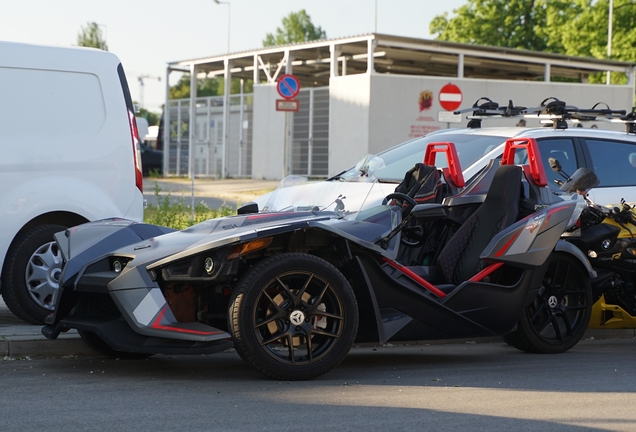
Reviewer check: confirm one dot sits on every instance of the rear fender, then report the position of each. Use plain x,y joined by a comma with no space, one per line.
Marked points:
569,248
529,242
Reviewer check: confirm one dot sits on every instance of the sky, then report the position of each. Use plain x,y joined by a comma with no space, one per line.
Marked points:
147,34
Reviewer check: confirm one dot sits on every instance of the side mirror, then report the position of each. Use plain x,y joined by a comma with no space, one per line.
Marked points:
554,164
250,207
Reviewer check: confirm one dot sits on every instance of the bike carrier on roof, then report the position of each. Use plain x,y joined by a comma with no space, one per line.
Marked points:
552,109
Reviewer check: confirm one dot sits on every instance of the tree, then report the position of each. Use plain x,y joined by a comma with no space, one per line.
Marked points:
296,27
508,23
152,117
91,36
572,27
208,87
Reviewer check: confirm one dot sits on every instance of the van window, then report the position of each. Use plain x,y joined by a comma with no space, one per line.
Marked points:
51,104
611,162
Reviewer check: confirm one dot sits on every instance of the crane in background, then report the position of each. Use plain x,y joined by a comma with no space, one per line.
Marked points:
141,79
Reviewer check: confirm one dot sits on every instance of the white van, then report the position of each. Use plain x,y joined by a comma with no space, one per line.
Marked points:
69,154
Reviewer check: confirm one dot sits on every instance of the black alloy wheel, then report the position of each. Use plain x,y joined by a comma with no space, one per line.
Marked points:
293,316
558,317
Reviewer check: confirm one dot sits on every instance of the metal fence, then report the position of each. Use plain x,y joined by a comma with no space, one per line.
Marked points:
208,143
310,146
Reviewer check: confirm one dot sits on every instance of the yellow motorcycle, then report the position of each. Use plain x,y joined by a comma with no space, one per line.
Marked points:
606,235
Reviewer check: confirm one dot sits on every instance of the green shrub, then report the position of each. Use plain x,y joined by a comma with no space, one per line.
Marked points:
178,214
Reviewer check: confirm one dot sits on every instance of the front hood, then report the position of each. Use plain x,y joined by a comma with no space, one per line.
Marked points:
216,233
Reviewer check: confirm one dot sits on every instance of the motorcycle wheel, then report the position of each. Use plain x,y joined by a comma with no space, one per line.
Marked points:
293,316
98,344
557,318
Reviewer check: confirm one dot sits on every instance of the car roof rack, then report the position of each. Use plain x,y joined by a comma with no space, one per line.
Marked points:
551,110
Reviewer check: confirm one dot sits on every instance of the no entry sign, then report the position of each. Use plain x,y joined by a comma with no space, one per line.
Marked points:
288,86
450,97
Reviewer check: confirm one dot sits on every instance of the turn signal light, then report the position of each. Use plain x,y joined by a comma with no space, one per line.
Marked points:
251,246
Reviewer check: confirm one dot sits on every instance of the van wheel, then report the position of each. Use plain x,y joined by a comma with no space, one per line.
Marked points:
31,276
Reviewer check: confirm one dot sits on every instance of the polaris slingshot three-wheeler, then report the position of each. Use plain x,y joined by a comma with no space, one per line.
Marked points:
292,290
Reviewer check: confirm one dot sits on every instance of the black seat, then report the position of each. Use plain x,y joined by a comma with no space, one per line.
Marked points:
422,183
459,259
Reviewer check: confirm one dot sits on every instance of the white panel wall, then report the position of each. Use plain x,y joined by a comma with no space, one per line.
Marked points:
268,134
349,98
371,113
395,114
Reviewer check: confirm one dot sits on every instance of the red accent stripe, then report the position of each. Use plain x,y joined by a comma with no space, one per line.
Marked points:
155,325
426,284
509,243
555,210
485,272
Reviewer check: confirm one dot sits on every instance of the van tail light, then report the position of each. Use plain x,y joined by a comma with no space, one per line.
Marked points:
134,132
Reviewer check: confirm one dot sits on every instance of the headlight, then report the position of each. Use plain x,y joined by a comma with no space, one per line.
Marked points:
208,265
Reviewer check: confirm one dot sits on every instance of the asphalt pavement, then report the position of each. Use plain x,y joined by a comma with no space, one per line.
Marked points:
19,339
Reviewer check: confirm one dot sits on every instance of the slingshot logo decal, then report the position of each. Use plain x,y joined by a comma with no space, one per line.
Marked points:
535,222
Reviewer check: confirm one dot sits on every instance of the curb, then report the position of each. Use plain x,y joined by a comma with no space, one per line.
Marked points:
23,347
71,345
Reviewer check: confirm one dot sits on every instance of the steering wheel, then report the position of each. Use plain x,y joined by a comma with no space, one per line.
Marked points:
406,209
412,236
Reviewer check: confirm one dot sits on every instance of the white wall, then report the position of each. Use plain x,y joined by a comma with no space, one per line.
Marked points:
371,113
268,134
395,114
349,99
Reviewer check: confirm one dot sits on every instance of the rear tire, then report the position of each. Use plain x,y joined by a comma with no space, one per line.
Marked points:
558,317
30,280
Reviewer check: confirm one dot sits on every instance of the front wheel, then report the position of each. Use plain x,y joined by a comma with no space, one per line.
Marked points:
293,316
557,318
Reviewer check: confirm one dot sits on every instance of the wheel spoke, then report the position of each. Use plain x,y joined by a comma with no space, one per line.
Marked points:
273,318
544,325
310,354
274,338
279,310
557,329
290,344
320,296
304,288
562,313
286,288
538,312
40,273
329,315
324,333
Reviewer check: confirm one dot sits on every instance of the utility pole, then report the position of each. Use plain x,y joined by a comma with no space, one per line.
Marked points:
141,79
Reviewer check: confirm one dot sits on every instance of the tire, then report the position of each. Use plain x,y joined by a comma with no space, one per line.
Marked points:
30,280
98,344
293,316
557,319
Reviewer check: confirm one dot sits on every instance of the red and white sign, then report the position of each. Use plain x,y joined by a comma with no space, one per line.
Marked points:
450,97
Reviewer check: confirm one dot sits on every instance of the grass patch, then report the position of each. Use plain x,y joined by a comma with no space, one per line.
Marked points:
178,214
